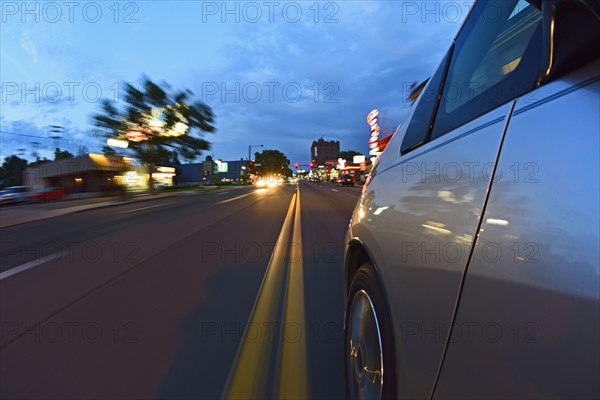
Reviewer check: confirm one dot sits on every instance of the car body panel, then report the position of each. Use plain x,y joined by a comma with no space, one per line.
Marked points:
453,247
426,207
531,293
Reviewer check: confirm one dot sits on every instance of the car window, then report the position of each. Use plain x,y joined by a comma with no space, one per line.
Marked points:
497,58
419,127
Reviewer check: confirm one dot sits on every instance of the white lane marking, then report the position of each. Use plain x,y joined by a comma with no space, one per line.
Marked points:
222,193
234,198
31,264
144,208
335,190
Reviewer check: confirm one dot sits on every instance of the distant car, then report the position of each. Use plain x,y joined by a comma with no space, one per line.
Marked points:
48,194
267,182
472,256
345,180
15,194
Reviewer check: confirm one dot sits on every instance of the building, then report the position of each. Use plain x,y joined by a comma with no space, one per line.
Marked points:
231,170
209,171
189,174
89,173
94,173
322,151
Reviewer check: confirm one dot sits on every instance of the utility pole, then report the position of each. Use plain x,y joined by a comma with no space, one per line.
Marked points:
34,150
56,134
250,149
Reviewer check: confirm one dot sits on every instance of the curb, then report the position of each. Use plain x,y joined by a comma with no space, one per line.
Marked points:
83,208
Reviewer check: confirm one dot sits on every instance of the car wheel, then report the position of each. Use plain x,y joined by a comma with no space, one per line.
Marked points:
370,356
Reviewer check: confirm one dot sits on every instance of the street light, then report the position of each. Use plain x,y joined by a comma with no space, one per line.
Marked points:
250,149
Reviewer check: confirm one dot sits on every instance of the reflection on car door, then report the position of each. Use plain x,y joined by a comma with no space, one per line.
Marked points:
440,181
535,267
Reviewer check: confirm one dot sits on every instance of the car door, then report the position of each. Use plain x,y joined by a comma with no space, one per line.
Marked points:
420,212
528,320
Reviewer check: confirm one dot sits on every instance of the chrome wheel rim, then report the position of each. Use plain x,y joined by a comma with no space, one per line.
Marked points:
363,349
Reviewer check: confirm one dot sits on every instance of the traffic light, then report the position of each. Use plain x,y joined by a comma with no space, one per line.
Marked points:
296,165
250,166
312,164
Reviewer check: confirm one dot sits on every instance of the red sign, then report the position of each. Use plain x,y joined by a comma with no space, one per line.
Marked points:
374,124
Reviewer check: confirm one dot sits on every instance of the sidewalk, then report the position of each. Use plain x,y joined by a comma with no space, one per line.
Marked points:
34,212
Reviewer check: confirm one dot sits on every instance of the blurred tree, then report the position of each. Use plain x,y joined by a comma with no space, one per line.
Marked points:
62,154
155,119
167,158
271,162
11,171
106,149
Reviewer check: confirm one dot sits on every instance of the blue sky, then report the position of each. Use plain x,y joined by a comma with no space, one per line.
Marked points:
277,73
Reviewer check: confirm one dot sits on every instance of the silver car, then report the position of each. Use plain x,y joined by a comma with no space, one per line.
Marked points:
472,258
15,194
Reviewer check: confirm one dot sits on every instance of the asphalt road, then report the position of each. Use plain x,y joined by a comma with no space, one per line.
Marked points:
234,293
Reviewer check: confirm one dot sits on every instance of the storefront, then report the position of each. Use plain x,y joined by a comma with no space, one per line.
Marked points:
96,173
84,174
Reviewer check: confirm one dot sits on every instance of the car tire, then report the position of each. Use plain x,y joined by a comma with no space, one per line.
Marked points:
370,361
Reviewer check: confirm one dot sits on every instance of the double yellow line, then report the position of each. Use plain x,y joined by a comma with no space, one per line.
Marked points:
271,361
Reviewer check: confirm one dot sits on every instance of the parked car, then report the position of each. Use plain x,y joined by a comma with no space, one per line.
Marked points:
345,180
472,257
48,194
15,194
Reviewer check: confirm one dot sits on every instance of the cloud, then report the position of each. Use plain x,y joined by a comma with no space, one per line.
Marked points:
30,48
273,82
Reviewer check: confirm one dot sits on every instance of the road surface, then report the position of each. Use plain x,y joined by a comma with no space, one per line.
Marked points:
234,293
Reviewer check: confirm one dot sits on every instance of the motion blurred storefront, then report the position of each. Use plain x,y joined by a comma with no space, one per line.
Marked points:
88,173
137,177
94,173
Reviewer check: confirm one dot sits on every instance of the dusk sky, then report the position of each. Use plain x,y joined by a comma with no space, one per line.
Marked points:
275,73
